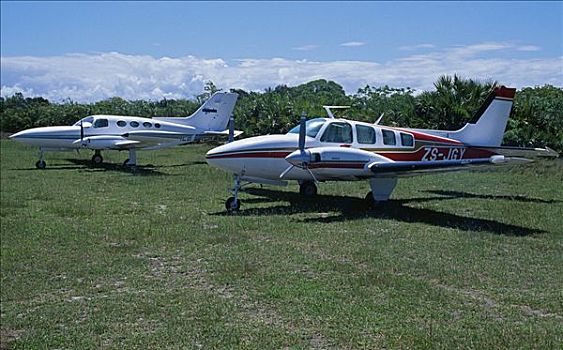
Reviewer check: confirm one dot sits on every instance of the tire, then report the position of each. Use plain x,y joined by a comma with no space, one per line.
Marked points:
41,164
125,165
232,205
97,159
308,189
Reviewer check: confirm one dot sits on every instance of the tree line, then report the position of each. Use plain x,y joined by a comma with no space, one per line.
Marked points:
536,118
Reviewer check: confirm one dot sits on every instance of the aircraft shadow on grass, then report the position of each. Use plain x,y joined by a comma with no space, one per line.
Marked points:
351,208
147,170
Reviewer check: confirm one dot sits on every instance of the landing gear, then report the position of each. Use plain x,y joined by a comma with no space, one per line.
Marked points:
132,160
41,164
381,189
372,203
233,203
97,158
308,189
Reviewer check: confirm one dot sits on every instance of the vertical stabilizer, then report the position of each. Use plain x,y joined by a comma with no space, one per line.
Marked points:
489,123
213,115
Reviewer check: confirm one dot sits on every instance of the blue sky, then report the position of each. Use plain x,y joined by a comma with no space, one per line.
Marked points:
268,43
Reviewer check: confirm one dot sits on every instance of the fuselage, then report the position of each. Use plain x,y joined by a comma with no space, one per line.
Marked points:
65,137
265,156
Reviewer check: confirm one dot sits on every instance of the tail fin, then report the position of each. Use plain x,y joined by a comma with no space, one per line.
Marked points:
213,115
489,123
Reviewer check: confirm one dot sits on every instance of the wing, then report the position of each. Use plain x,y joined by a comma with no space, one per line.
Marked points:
410,168
151,139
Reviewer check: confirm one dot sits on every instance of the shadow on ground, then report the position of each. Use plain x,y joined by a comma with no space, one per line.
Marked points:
85,164
352,208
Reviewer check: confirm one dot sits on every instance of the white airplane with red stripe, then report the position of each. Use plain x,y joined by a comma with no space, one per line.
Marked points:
331,149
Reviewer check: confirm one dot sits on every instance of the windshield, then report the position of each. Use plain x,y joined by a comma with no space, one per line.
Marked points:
84,120
312,126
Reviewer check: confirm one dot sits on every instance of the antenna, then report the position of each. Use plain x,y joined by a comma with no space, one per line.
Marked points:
329,112
379,119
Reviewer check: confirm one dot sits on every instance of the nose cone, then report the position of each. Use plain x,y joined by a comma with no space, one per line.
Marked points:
18,135
299,157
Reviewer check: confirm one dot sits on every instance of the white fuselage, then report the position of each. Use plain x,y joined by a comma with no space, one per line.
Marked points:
109,126
264,157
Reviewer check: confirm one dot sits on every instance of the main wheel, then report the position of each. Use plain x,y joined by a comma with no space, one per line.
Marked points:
232,204
308,189
41,164
368,199
126,163
97,159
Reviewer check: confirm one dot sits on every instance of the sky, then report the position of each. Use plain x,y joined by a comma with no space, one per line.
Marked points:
88,51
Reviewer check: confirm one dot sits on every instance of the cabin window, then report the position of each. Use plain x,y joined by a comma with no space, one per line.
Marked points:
389,137
365,134
101,123
338,133
157,125
147,125
121,123
134,124
407,140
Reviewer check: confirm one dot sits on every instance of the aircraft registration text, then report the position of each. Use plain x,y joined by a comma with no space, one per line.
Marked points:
436,153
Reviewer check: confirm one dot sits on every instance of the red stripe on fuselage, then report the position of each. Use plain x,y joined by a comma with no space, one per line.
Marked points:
442,153
272,154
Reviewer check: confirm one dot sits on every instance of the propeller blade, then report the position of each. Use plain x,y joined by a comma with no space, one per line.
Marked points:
81,131
231,129
311,173
286,171
302,130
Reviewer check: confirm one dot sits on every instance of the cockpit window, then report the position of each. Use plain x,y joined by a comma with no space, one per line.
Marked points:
101,123
84,120
338,132
312,127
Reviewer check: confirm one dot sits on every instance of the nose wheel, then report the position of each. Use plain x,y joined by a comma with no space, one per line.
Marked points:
233,203
308,189
41,164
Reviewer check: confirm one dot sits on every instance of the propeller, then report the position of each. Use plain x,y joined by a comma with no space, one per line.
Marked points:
231,129
300,158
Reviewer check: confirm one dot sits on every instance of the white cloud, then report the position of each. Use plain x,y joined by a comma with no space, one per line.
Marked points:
92,77
353,44
531,48
418,46
305,47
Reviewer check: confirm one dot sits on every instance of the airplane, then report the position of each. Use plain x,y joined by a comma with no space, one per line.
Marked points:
114,132
332,149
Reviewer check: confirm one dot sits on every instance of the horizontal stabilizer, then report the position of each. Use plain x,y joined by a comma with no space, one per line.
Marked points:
223,133
524,152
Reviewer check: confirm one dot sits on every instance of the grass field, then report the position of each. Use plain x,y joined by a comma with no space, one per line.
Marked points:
107,258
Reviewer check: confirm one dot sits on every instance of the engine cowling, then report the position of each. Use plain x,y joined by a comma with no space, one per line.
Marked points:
100,142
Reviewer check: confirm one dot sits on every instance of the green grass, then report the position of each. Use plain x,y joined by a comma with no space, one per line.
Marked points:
106,258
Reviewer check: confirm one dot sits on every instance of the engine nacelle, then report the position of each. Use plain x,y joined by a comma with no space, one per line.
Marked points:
100,142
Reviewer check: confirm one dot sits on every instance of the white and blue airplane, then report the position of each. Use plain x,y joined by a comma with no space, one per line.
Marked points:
114,132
